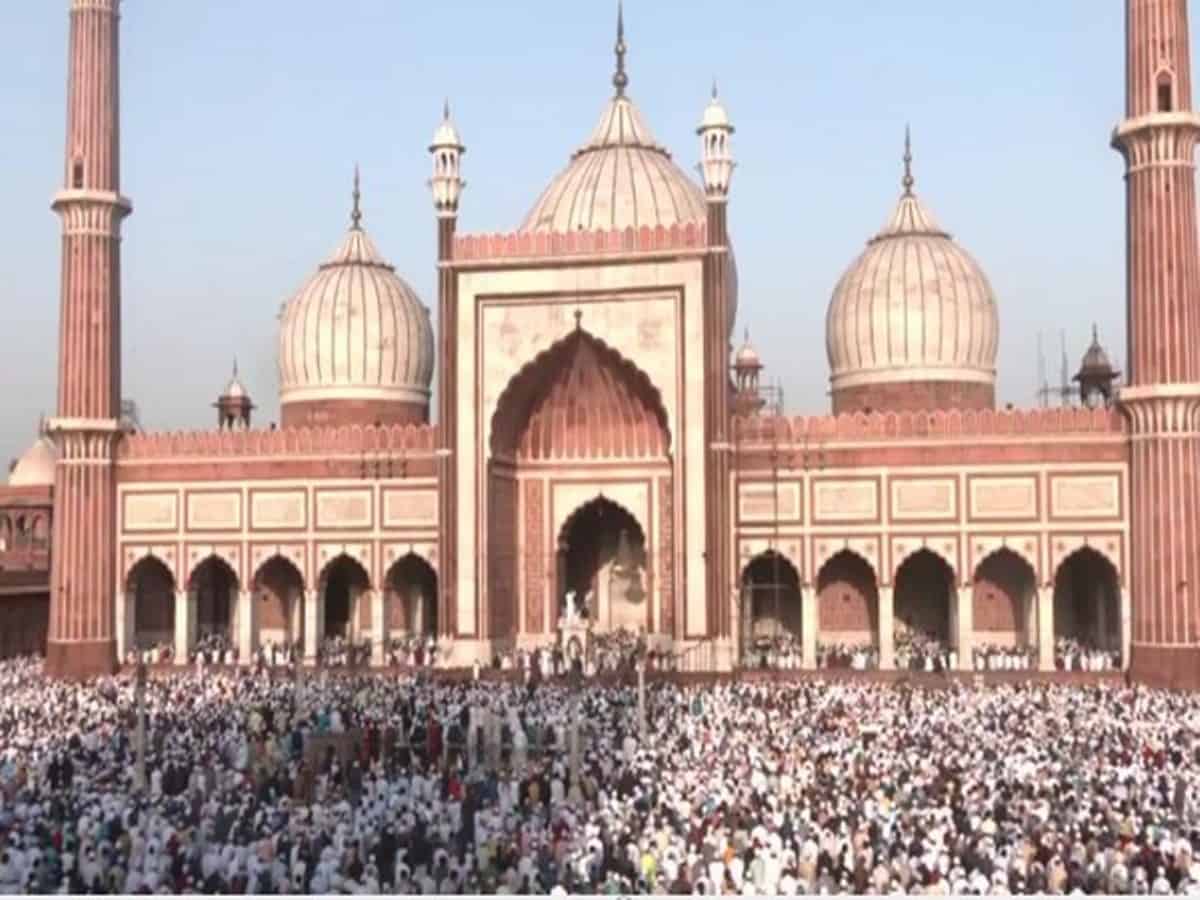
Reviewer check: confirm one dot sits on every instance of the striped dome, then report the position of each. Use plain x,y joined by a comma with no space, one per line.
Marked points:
620,178
356,332
914,307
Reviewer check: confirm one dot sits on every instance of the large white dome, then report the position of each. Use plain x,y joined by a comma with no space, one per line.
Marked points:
620,178
913,309
36,466
355,344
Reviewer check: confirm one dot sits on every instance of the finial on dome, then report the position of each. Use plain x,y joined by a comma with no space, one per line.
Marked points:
908,175
714,96
1095,334
235,374
446,110
620,79
356,214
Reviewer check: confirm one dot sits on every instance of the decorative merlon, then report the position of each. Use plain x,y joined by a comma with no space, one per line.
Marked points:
345,440
532,245
948,425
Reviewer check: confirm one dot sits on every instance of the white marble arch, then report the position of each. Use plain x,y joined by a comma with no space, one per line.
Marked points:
984,548
944,548
221,554
749,549
866,549
1063,547
135,556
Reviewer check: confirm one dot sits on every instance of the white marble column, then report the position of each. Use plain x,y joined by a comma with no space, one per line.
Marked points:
966,627
1126,626
887,628
810,624
314,603
183,636
124,623
1045,624
247,627
378,601
295,607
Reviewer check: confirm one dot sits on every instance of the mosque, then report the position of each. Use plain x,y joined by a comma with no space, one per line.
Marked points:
598,436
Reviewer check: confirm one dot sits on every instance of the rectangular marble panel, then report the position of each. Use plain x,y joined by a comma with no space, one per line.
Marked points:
410,509
344,508
1085,496
766,502
850,500
278,509
150,512
211,511
924,499
1010,499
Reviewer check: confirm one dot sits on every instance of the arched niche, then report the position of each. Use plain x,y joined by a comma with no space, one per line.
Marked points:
771,600
278,587
213,587
151,587
847,601
924,598
1087,601
343,582
412,588
1004,601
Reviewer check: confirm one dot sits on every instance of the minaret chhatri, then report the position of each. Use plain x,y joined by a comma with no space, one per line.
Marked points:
86,429
1162,400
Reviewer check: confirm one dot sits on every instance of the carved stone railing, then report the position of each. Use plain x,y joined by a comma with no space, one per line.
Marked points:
949,425
284,442
525,245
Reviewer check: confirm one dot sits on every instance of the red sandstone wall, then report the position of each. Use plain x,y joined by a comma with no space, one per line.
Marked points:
24,621
847,598
996,610
914,396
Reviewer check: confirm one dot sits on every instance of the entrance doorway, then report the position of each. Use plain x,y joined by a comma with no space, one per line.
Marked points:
602,560
345,582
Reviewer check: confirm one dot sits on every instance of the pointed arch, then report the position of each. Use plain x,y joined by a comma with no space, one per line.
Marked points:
1087,600
579,399
925,596
771,600
151,587
213,587
603,558
847,600
278,586
147,558
1004,602
343,582
412,587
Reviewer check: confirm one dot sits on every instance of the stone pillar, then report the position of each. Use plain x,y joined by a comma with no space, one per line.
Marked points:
295,606
314,607
1125,606
965,627
1045,626
810,625
183,635
379,618
124,622
247,627
887,628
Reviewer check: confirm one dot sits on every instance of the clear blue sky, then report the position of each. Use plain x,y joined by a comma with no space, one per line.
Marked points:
242,122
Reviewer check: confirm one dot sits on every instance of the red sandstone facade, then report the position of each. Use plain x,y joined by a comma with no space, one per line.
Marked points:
585,441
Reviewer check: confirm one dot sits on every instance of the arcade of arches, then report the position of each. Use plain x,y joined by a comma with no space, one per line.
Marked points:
278,609
1002,607
567,417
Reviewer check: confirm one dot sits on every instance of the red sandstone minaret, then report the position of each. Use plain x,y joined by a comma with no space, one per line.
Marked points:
83,577
1162,399
716,169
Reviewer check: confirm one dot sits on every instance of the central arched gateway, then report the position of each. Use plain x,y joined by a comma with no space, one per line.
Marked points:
601,561
579,489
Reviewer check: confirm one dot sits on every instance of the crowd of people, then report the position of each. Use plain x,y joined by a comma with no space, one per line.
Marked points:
338,651
564,786
213,649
